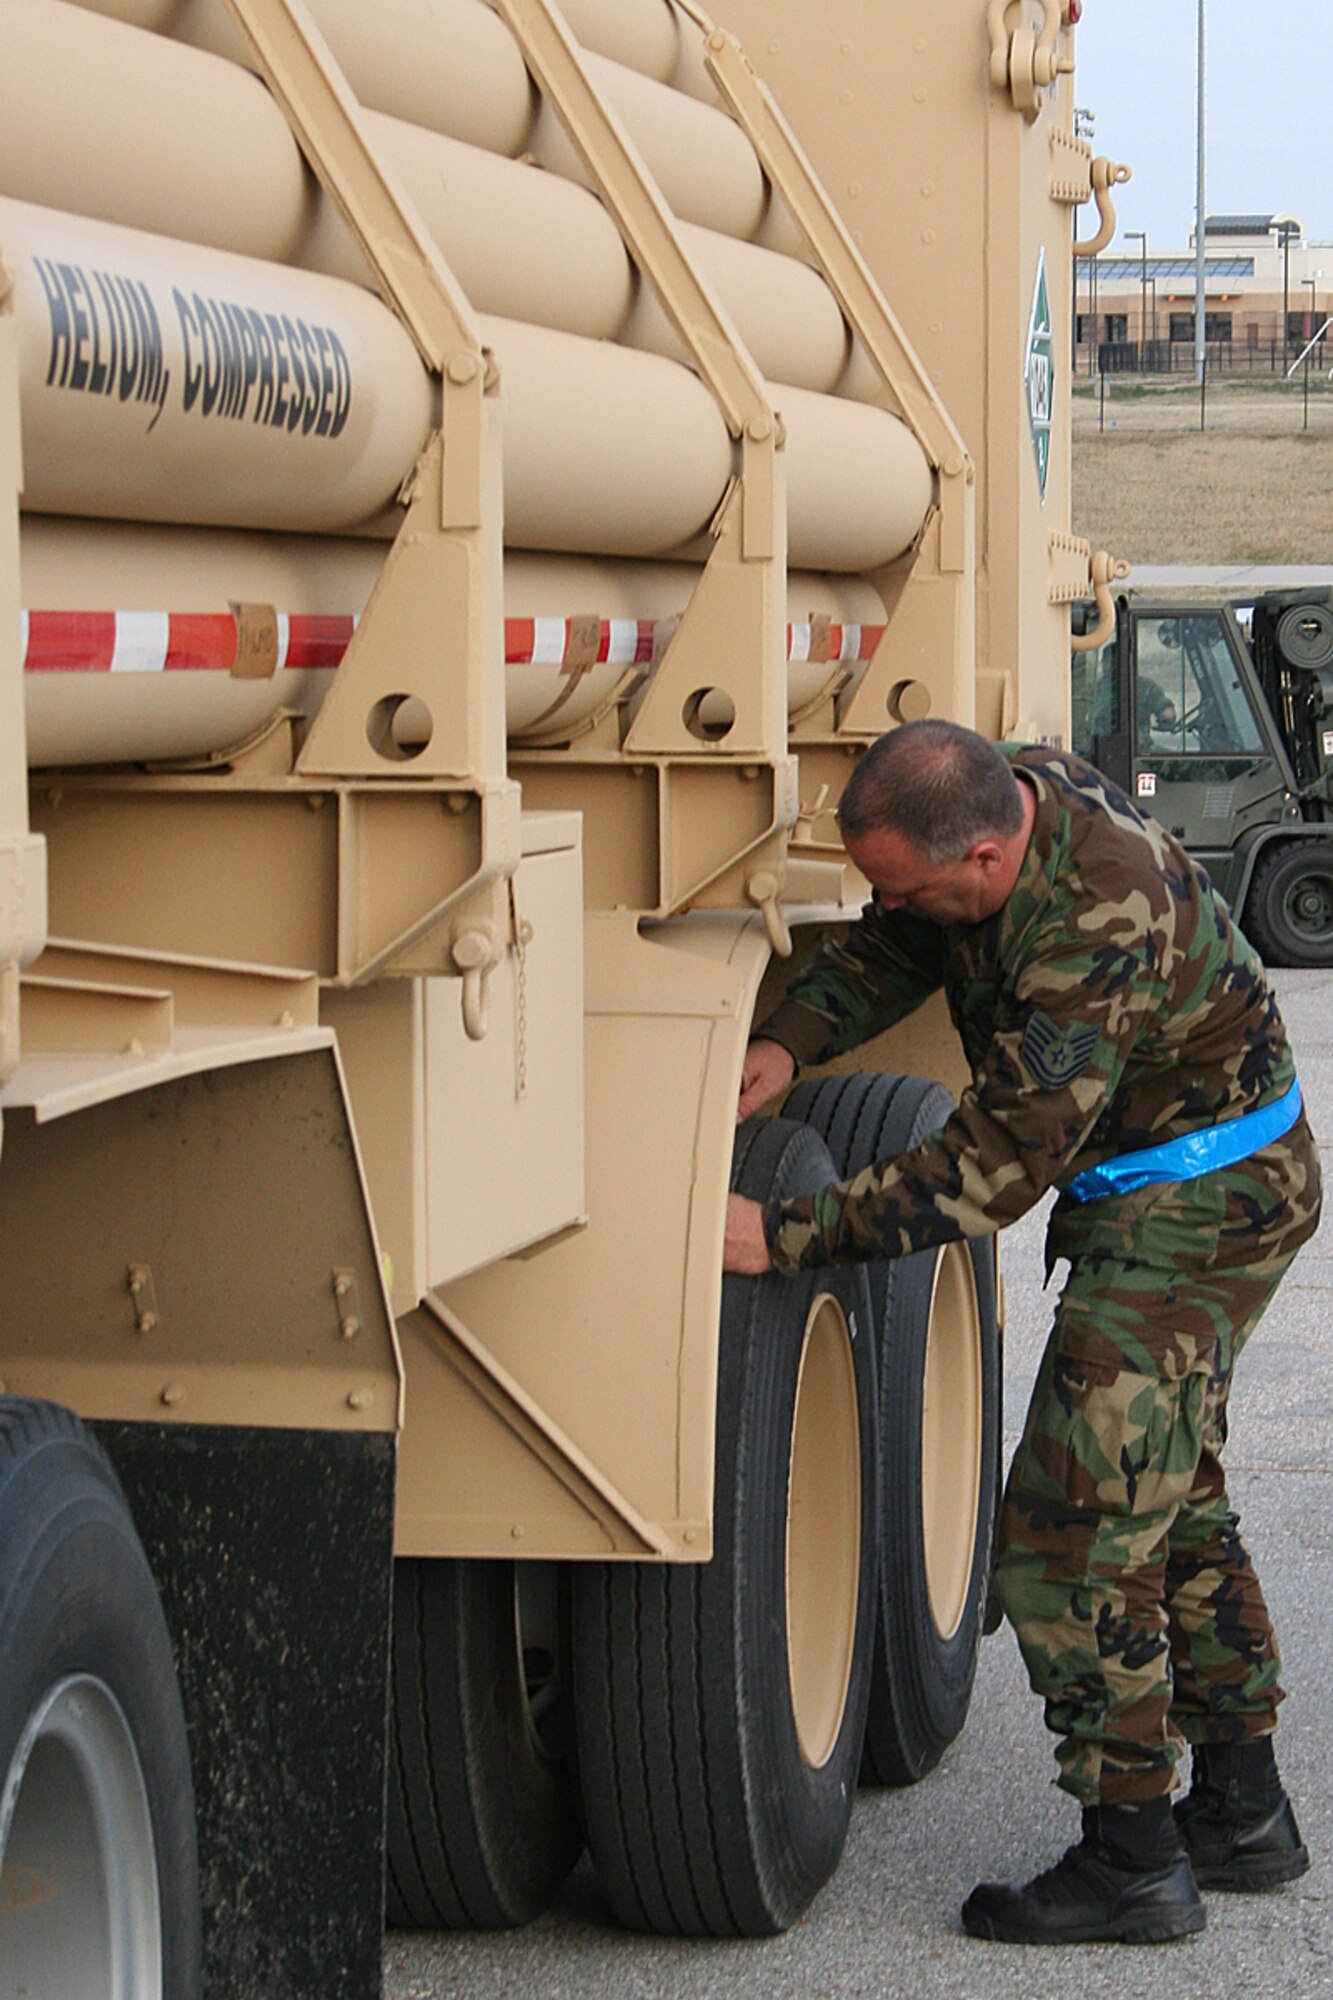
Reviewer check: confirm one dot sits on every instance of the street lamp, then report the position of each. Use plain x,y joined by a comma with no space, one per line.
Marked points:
1140,236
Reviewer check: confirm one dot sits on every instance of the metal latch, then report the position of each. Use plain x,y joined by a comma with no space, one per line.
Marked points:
1105,174
1106,570
1026,62
762,889
475,956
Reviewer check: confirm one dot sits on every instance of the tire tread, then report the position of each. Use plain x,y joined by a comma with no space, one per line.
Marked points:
673,1822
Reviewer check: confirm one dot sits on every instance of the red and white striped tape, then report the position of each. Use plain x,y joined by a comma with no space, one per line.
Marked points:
547,642
154,642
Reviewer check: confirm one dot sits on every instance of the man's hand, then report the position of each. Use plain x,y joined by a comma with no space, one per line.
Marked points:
745,1249
768,1069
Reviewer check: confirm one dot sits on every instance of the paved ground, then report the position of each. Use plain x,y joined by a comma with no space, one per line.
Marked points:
887,1924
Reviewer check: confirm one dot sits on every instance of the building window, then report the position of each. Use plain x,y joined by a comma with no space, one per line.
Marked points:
1085,328
1117,326
1217,325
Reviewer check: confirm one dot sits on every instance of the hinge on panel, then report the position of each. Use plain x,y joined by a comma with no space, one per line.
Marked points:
143,1294
1071,167
348,1302
1069,572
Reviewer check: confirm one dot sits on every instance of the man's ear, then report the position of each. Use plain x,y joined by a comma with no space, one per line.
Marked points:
988,854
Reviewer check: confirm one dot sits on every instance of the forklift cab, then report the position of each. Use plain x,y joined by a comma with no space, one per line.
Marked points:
1169,708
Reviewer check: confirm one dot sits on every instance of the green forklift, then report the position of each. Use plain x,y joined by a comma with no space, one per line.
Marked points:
1217,718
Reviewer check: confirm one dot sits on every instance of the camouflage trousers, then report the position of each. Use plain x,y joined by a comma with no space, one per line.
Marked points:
1120,1565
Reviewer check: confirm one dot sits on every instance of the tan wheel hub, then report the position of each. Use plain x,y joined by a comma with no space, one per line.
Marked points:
823,1531
951,1437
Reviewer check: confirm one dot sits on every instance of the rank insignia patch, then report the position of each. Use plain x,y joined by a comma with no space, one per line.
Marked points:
1054,1056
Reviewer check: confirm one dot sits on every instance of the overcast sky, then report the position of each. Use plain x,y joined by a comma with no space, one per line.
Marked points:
1269,102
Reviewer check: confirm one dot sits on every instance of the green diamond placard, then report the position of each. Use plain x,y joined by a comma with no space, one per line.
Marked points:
1039,374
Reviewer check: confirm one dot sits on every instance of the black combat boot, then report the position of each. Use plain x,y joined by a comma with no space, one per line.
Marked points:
1237,1823
1127,1882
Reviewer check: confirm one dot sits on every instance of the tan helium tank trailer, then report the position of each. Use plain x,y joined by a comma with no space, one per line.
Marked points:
476,475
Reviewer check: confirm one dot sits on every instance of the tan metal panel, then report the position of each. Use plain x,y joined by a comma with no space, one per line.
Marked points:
379,1030
206,993
146,875
22,858
937,174
212,1197
505,1485
504,1115
612,1332
63,1017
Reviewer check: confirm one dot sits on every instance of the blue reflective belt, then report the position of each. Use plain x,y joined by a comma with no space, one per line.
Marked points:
1197,1153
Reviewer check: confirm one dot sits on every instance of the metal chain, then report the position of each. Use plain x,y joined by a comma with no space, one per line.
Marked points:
522,936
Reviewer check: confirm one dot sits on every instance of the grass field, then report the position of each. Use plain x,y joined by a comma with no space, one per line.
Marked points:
1253,487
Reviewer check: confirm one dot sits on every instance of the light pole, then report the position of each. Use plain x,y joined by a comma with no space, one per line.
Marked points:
1311,281
1084,124
1140,236
1200,213
1286,227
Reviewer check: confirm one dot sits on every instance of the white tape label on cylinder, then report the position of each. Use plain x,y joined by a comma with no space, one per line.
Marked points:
141,642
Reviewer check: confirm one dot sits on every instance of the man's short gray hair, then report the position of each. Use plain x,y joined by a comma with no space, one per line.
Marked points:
940,787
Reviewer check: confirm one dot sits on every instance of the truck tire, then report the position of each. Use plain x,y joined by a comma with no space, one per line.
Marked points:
939,1383
720,1707
99,1880
482,1825
1289,910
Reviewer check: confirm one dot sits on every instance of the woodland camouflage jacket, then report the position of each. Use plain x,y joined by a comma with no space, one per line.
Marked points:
1110,1005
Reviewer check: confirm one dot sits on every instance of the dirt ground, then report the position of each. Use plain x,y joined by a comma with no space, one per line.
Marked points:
1254,486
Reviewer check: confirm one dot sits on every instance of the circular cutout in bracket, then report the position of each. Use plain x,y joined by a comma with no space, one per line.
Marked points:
399,727
909,701
709,714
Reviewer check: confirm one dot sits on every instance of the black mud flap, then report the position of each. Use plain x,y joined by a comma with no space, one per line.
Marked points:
272,1550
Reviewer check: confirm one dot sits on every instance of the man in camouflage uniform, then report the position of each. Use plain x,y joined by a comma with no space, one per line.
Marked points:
1107,1007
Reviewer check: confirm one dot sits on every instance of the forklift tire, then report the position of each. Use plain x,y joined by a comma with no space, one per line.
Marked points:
1305,636
482,1826
938,1348
1289,910
99,1879
720,1707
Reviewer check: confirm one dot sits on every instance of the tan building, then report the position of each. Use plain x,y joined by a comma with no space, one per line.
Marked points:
1137,311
